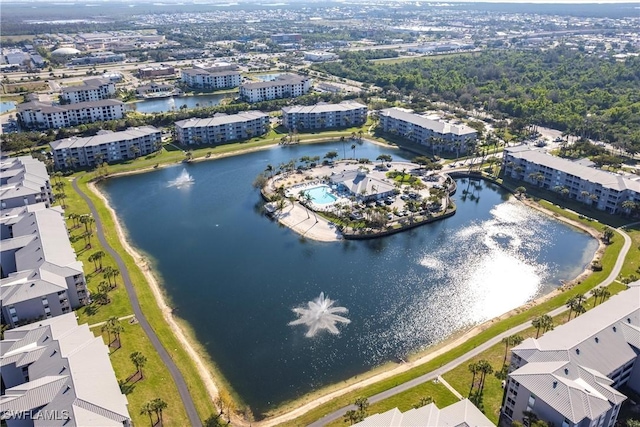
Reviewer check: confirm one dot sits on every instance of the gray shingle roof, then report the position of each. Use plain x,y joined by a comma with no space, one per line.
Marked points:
597,176
104,138
323,108
221,119
441,127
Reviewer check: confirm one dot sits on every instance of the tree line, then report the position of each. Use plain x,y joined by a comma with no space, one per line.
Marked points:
586,95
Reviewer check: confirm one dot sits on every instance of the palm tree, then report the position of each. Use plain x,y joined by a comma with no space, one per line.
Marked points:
576,304
607,235
537,323
87,220
605,294
139,360
158,405
424,401
544,322
115,275
353,147
628,206
116,330
61,197
108,327
474,368
597,292
485,369
147,409
510,341
98,257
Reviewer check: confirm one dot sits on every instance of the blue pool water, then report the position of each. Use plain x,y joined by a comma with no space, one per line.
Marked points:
321,195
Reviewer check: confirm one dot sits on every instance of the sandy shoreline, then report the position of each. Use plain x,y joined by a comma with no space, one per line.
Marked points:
297,218
141,262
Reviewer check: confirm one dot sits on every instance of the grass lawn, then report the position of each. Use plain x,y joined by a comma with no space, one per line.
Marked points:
158,382
404,401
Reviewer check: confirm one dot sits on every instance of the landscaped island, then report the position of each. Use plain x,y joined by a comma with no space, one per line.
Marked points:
356,199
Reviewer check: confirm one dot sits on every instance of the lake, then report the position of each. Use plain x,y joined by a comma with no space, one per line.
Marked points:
235,276
163,105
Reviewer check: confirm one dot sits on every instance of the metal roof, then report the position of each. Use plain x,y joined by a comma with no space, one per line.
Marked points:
441,127
50,108
221,119
104,138
281,80
323,108
462,413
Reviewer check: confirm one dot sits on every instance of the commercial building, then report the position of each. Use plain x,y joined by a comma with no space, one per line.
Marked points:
40,115
284,86
210,78
24,181
90,90
158,71
222,128
99,58
606,191
40,274
437,134
320,56
106,146
570,376
286,38
320,116
57,373
462,413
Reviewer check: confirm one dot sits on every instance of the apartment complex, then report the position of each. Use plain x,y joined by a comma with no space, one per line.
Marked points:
284,86
57,373
106,146
462,413
222,128
570,376
90,90
213,78
603,190
40,274
42,115
321,116
438,134
24,181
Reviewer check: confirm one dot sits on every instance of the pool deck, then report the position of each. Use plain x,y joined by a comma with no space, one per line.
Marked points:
308,224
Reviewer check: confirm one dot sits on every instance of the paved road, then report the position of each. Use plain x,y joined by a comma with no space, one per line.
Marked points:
192,413
430,376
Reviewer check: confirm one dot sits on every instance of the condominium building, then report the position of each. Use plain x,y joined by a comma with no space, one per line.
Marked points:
210,78
320,116
606,191
90,90
570,376
284,86
222,128
24,181
462,413
438,134
40,274
42,115
106,146
58,373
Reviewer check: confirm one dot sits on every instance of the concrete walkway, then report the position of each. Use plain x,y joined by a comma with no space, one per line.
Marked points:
451,389
336,415
178,379
95,325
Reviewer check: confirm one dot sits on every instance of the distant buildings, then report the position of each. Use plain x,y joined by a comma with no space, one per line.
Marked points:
210,78
604,190
24,181
319,56
159,71
106,146
58,373
320,116
286,38
90,90
284,86
438,134
571,375
462,413
222,128
40,115
99,58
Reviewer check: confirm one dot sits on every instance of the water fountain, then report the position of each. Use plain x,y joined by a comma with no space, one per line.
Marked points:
320,314
182,180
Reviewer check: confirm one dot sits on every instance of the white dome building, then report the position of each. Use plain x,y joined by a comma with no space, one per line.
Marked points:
65,51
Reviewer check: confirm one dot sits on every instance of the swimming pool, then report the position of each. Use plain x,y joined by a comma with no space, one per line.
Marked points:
321,195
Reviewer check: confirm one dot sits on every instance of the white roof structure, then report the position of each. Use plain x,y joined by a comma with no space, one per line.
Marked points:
281,80
439,126
359,182
322,107
70,374
43,255
597,176
104,137
22,176
221,119
50,108
574,391
459,414
598,339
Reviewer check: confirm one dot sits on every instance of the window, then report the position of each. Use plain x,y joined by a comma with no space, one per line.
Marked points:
532,400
